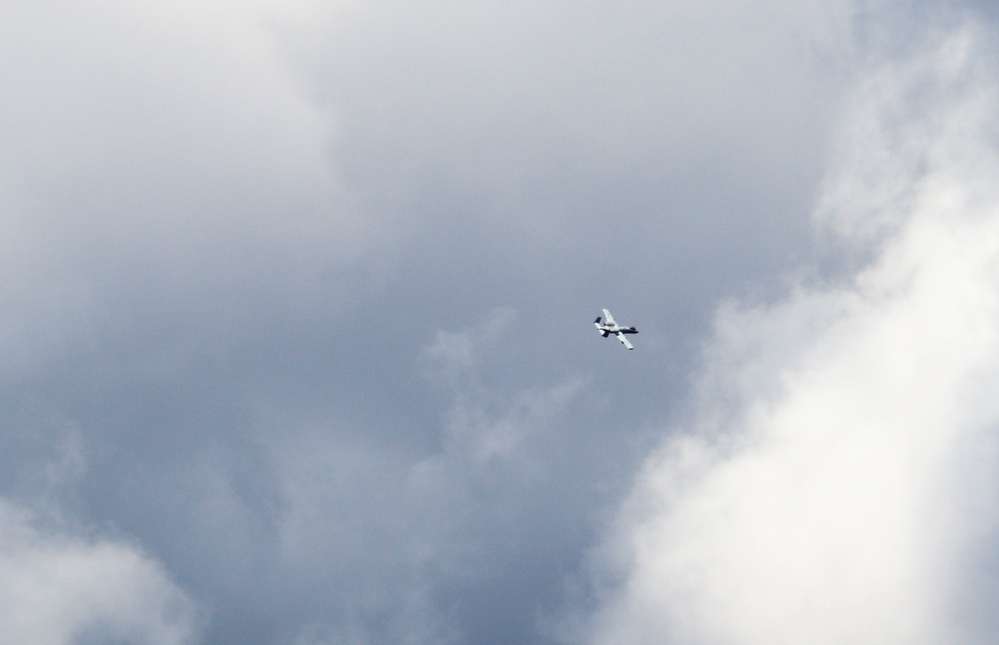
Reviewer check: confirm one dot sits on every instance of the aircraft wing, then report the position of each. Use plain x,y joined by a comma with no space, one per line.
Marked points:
608,319
624,339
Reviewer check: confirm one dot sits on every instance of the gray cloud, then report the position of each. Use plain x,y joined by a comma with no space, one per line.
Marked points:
297,294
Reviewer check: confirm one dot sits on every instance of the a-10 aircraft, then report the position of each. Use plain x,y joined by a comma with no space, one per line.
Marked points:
610,326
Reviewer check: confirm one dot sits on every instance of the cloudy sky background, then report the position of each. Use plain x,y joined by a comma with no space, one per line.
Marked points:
295,325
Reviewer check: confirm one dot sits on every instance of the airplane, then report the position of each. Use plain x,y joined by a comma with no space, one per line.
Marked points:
610,326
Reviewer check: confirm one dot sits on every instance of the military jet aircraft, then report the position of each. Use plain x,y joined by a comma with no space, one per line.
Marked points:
610,326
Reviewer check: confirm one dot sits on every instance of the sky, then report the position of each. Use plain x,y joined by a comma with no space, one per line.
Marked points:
296,338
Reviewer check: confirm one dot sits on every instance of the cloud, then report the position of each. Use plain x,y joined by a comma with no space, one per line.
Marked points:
159,154
57,587
253,257
832,483
420,540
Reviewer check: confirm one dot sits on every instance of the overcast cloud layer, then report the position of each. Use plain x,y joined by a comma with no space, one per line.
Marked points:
295,325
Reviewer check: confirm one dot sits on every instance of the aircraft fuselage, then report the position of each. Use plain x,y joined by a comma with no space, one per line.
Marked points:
609,326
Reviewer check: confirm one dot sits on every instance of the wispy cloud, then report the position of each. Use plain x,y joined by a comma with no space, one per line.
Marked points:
396,536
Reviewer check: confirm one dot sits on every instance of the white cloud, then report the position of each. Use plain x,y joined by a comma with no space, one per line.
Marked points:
828,487
58,588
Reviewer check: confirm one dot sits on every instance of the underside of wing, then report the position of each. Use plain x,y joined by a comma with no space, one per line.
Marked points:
608,319
624,339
